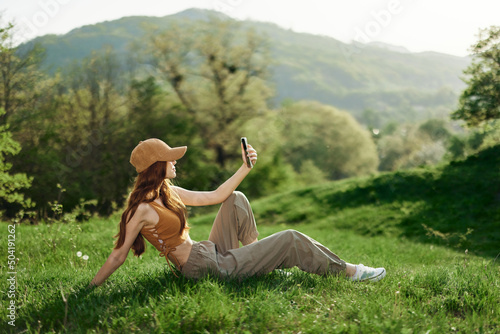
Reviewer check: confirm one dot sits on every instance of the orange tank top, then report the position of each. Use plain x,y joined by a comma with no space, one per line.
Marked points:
165,236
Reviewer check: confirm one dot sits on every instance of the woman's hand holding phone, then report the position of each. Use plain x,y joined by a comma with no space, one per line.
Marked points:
249,154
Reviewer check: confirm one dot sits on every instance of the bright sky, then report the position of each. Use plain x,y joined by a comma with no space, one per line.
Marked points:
447,26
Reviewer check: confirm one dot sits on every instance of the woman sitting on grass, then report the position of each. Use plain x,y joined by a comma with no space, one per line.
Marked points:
157,211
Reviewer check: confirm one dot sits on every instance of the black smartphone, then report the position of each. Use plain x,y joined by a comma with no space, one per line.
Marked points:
245,147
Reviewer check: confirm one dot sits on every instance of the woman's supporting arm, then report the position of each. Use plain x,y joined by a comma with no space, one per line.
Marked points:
114,261
119,255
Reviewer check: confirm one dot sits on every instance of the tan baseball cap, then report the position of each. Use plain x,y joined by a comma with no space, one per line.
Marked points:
149,151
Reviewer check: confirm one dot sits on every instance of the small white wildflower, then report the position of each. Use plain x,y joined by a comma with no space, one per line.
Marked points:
85,257
79,254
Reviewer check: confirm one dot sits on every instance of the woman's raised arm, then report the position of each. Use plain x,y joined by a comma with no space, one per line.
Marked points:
202,198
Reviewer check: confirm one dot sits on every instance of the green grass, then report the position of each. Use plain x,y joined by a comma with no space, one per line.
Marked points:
432,285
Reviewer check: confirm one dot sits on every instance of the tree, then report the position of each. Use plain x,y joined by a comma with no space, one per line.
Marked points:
18,73
412,145
94,141
11,184
480,101
332,139
77,137
217,72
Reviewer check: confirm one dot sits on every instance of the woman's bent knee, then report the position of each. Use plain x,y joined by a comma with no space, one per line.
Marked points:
239,198
234,196
289,235
239,194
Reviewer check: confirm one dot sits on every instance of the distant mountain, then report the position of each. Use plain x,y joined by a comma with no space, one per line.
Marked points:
395,48
394,84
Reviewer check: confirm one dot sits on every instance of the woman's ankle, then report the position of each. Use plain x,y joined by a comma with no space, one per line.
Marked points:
350,269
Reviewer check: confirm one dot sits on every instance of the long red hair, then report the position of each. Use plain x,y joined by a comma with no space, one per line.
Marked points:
149,185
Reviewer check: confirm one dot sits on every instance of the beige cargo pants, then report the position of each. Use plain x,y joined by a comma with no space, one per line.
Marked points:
222,256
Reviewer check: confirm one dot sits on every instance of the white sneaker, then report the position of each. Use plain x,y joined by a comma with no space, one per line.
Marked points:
364,274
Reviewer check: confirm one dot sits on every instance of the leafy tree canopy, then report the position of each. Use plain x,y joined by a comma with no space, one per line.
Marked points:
10,184
332,139
480,101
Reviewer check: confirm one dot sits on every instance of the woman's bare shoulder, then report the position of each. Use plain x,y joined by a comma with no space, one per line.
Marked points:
144,207
145,213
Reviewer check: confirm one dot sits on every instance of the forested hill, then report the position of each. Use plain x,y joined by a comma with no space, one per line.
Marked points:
395,85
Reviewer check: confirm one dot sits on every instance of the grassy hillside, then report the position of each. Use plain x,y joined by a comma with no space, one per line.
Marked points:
455,205
399,86
430,287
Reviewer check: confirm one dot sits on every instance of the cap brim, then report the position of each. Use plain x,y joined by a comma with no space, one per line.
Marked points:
177,152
